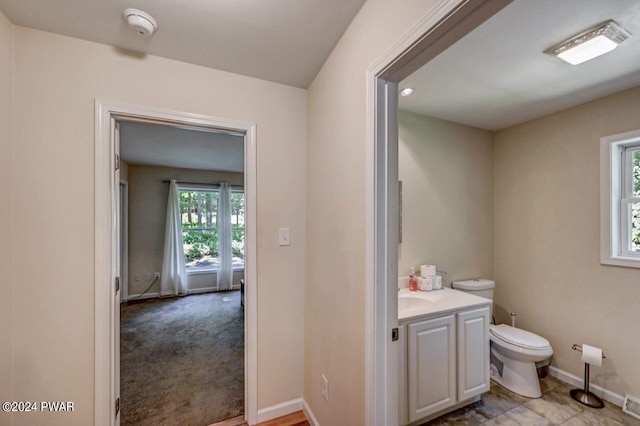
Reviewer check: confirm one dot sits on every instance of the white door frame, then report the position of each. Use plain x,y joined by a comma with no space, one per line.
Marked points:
107,387
124,233
447,22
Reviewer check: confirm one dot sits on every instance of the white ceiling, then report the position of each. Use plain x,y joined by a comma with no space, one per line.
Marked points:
284,41
497,76
159,145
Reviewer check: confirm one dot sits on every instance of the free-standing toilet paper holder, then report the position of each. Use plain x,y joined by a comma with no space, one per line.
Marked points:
583,396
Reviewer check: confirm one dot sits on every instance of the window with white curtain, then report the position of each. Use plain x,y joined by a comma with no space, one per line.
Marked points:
198,208
620,199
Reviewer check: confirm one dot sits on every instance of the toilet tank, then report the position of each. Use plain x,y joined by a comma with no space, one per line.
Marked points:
479,287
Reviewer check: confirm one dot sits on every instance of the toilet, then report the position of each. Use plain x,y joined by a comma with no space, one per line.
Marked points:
514,352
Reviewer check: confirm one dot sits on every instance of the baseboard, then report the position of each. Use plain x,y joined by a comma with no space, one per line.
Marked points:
310,416
578,382
157,295
141,296
279,410
204,290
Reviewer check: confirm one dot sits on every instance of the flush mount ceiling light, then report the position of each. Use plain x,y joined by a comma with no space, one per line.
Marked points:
141,22
590,44
407,91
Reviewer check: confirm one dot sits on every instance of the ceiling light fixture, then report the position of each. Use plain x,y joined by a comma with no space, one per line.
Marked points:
141,22
590,44
407,91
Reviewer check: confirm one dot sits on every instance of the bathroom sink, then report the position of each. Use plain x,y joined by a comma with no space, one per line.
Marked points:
414,305
411,303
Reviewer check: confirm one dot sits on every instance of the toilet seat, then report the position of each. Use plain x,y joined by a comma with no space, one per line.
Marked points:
518,337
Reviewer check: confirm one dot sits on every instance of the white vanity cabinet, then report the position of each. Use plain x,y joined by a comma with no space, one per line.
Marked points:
473,353
443,362
431,366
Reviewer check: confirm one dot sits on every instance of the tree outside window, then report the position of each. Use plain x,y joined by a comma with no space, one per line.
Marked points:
198,210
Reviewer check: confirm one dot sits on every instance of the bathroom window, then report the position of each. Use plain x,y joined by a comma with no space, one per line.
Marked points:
630,201
198,208
620,199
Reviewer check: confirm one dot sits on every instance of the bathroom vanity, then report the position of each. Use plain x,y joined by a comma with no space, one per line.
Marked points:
444,352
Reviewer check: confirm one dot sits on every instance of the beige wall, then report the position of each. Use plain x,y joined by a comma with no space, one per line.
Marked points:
547,239
446,171
147,214
334,299
124,171
6,213
57,80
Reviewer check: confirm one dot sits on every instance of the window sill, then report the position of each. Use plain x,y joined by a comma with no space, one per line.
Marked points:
209,271
625,261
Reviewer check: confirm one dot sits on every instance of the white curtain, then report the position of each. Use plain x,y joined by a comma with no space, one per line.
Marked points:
225,273
173,280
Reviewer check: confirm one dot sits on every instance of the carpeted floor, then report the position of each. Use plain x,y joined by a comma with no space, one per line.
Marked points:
182,360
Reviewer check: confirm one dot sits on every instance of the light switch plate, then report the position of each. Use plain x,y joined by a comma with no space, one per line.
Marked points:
283,237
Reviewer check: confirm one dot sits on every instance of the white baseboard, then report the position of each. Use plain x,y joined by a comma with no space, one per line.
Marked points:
142,297
310,416
578,382
279,410
157,295
203,290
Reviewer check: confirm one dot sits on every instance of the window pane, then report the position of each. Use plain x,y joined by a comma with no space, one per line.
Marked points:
635,227
237,209
237,223
200,249
636,172
198,209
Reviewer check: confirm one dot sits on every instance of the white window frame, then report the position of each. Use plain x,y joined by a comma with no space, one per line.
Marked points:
615,196
209,188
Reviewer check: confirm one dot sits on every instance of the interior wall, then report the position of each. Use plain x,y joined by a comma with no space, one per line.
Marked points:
147,215
6,215
446,171
335,289
57,80
124,171
547,239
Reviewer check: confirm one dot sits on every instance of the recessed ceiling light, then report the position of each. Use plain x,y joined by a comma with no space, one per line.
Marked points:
590,44
407,91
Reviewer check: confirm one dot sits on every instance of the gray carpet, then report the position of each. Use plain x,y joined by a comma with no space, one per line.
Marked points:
182,360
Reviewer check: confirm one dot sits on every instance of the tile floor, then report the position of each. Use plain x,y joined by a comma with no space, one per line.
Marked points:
502,407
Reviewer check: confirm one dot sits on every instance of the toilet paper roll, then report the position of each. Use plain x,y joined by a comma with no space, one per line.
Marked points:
437,285
427,270
592,355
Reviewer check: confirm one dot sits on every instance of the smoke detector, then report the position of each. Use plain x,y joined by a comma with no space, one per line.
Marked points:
141,22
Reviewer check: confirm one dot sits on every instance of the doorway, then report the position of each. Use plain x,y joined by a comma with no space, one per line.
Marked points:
447,23
181,320
108,289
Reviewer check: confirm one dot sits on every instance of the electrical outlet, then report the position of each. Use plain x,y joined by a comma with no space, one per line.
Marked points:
136,277
325,388
156,275
149,276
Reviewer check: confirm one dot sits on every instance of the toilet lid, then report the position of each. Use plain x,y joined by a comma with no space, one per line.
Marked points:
518,337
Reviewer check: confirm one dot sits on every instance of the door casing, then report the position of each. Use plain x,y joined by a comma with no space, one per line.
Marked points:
107,181
446,23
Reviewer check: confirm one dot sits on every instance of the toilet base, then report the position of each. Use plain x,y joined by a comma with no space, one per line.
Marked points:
520,377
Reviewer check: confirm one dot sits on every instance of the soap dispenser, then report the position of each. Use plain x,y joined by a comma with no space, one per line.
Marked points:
413,281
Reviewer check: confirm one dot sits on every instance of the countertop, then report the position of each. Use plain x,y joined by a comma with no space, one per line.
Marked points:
424,304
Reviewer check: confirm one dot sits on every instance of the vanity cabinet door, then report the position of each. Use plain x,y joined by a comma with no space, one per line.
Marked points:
473,353
431,366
